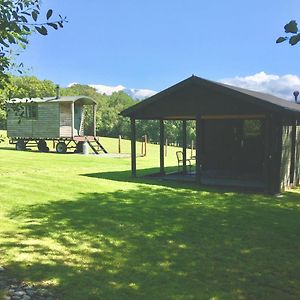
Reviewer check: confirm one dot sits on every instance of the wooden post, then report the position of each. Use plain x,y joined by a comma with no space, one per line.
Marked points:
267,156
119,144
279,128
94,119
161,146
133,148
166,148
199,137
142,146
72,118
184,144
293,154
146,144
275,152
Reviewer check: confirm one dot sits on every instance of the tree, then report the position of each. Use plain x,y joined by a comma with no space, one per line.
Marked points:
28,87
294,34
18,20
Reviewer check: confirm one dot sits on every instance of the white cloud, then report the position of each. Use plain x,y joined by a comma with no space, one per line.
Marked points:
72,83
140,93
108,90
281,86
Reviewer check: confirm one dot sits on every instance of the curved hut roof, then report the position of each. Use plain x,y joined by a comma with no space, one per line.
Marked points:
71,99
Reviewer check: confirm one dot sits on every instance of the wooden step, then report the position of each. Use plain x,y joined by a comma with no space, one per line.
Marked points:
93,146
99,145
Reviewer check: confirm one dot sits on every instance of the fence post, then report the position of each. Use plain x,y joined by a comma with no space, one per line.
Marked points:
145,144
166,148
142,147
119,145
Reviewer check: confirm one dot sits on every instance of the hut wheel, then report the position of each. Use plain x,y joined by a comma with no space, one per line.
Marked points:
42,145
20,145
61,147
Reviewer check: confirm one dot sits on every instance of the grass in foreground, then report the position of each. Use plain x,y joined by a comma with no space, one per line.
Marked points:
80,226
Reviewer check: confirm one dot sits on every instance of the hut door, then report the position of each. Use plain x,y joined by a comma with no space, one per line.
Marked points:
252,147
65,120
78,120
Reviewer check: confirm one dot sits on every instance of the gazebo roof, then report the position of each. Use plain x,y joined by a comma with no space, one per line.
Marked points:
83,99
197,96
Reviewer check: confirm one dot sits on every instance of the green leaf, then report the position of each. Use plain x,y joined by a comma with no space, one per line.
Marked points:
26,28
34,16
291,27
4,43
23,39
11,39
42,30
294,39
23,19
15,15
53,25
281,39
49,14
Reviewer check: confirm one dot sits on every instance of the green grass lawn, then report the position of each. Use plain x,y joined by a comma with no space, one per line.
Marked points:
80,226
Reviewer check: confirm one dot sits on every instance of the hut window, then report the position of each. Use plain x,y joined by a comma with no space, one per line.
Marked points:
252,128
31,111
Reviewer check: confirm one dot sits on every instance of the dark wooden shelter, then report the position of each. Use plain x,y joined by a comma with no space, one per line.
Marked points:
242,133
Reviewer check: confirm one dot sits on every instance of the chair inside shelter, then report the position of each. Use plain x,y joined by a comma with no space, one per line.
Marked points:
180,162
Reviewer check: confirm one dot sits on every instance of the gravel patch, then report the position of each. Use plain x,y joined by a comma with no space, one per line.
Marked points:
18,290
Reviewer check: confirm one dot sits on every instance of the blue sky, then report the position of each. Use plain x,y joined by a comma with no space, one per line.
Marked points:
153,44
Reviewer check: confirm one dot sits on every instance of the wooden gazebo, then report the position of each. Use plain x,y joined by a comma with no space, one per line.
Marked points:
238,131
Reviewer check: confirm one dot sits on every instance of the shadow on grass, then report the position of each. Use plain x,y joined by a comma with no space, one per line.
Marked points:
35,150
144,177
161,243
126,176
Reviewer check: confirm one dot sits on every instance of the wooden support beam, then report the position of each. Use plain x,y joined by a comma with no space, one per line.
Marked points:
275,154
234,117
218,117
184,145
267,154
94,118
161,146
72,118
293,154
133,148
199,144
